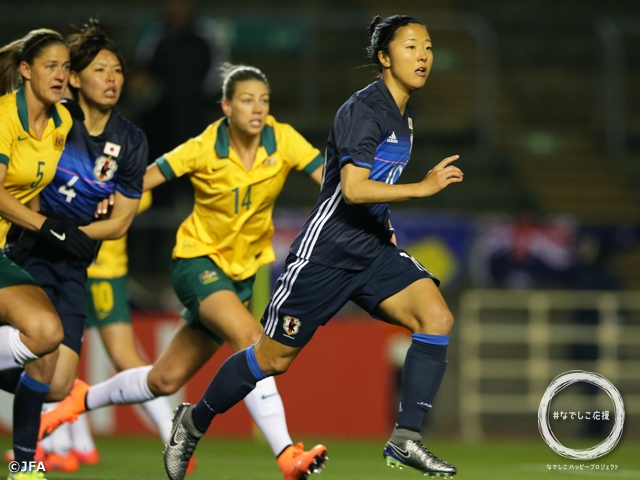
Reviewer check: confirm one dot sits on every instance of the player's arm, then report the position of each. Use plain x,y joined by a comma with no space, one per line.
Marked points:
316,176
153,177
122,214
12,210
357,188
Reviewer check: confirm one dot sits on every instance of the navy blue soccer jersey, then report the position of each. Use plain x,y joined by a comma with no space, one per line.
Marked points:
93,167
370,132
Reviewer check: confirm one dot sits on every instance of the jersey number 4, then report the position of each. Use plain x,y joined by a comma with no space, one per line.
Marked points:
67,190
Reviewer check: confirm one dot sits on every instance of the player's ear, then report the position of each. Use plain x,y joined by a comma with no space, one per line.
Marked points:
226,107
74,80
385,60
25,70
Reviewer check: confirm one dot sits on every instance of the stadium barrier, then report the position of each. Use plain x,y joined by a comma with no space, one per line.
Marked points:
515,338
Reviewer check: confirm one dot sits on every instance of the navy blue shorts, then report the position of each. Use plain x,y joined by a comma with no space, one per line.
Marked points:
64,282
307,295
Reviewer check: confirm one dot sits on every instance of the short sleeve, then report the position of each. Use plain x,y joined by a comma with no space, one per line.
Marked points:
186,158
300,154
7,138
129,181
361,132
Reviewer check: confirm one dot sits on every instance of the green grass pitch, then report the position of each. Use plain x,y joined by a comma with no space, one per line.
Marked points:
141,459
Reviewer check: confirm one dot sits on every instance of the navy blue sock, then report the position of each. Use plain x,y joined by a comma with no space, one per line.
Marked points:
27,407
9,379
235,379
422,375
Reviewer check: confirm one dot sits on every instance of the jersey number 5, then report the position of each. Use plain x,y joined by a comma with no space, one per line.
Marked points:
68,190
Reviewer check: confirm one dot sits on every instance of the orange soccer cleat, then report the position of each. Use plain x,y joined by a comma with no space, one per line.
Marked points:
66,411
55,462
192,464
38,457
92,457
296,464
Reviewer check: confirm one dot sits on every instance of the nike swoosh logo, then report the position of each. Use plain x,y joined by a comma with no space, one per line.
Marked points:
172,442
267,396
404,453
21,139
58,236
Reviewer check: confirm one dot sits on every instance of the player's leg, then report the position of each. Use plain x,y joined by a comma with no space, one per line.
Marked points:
304,291
401,291
108,309
34,331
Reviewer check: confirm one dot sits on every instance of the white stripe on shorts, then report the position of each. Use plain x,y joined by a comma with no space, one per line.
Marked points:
288,277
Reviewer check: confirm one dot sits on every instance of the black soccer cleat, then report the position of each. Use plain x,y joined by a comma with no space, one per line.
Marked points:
182,443
415,455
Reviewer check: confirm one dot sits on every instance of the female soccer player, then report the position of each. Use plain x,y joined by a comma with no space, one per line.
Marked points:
344,252
33,130
237,166
105,154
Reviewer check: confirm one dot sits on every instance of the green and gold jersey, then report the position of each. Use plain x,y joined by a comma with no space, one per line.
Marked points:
31,163
231,221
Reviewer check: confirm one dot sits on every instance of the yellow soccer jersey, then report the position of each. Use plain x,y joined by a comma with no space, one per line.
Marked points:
31,163
231,220
112,257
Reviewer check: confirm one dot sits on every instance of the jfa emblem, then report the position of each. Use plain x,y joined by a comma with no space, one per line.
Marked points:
410,124
291,325
104,168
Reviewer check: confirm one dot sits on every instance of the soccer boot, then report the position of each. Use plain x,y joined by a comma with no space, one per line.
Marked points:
91,457
182,443
66,411
38,457
192,465
296,464
33,475
54,462
415,455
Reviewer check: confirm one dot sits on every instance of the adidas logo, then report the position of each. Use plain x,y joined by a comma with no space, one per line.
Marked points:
392,138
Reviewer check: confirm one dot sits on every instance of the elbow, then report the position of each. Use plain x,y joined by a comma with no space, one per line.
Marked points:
350,195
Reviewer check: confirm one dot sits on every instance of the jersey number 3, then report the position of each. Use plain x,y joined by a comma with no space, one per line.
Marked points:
67,190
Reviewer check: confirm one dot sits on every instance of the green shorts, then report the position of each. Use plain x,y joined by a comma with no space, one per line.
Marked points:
194,279
106,302
12,275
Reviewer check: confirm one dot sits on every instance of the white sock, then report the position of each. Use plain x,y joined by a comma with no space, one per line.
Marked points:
266,408
13,353
160,412
127,387
81,435
62,439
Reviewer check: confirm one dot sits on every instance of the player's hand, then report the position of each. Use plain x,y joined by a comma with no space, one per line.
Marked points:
440,176
65,235
103,210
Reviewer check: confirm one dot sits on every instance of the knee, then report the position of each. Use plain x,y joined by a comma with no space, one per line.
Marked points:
46,335
439,322
275,366
165,383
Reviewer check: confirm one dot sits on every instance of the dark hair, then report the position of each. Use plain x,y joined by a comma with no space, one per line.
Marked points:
383,31
26,49
87,42
232,74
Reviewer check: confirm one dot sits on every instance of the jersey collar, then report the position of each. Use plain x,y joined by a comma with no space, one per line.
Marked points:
23,111
267,140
